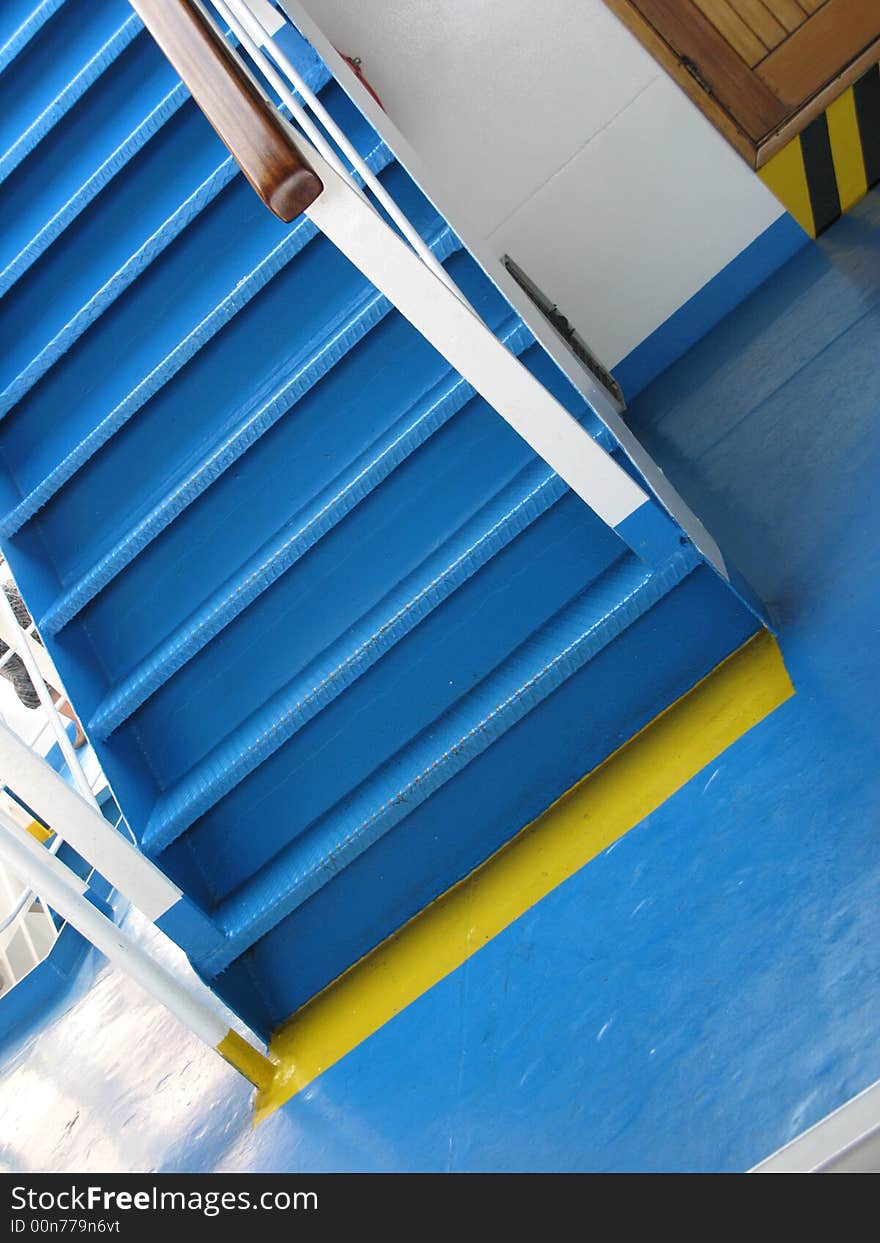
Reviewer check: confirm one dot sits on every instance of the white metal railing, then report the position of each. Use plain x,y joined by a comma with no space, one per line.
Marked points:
27,932
26,895
254,25
34,882
135,876
27,929
429,302
190,1001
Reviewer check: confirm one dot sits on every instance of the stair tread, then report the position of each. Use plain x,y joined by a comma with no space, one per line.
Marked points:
242,751
292,541
331,427
602,612
253,421
48,211
103,299
183,722
25,252
105,281
21,23
168,366
47,109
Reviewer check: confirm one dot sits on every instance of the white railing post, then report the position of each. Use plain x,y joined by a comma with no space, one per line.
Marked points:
193,1004
81,825
472,349
21,643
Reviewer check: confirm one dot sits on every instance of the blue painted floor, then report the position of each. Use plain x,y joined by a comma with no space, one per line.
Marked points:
709,986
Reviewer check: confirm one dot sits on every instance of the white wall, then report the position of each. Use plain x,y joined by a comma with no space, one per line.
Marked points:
568,146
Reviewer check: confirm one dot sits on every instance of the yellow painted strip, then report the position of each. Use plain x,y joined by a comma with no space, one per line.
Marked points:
615,797
39,831
250,1062
785,175
846,150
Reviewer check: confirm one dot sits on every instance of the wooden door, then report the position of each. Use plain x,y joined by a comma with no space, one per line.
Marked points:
760,69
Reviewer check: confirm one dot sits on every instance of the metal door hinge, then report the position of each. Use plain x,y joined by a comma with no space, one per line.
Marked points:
697,74
569,334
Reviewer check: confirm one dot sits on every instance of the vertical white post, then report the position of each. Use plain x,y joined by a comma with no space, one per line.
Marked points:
64,892
82,825
22,645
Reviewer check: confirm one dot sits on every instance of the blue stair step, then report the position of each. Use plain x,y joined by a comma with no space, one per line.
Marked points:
141,229
334,669
226,271
41,339
103,272
90,564
291,543
440,839
100,139
625,591
310,471
20,20
64,58
40,203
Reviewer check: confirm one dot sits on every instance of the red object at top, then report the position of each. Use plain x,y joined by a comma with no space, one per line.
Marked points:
354,63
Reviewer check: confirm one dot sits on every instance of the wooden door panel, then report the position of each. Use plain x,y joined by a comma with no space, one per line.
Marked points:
761,21
820,48
733,30
789,13
760,69
698,43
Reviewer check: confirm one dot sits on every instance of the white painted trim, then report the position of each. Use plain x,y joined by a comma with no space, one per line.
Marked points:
599,398
49,864
83,826
840,1135
61,889
266,15
468,345
436,310
432,304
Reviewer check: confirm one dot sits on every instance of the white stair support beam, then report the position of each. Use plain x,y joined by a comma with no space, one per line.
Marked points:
27,895
453,328
63,891
471,349
455,212
81,825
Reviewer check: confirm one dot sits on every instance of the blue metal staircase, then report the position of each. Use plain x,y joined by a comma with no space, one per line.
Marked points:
334,629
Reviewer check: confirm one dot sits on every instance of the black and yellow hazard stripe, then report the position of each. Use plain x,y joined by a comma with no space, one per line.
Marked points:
833,163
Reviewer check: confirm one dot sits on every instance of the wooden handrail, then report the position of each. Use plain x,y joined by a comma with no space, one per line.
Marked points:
262,142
